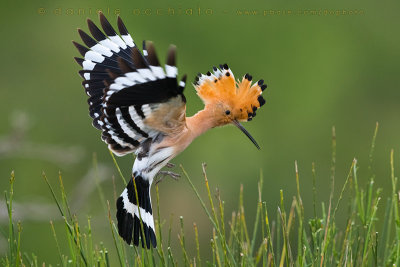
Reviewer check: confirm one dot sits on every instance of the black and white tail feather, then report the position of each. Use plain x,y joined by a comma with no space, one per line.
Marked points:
128,213
125,87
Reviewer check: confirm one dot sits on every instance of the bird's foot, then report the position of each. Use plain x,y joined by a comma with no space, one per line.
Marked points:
162,174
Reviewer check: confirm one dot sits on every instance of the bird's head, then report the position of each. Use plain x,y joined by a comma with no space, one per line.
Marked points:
230,101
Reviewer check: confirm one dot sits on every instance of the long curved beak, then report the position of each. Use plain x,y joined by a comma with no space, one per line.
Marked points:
237,124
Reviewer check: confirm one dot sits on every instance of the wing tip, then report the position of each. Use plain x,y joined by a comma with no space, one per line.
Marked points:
105,24
171,57
82,49
86,38
79,61
121,26
138,59
152,54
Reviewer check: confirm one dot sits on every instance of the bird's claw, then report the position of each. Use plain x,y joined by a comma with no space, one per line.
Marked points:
162,174
170,165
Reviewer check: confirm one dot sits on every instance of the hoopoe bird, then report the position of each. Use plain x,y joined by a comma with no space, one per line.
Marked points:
140,108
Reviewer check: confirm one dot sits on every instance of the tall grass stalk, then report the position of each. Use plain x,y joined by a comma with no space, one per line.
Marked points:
290,239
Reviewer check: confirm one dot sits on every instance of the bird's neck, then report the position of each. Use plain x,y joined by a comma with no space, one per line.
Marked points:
196,125
200,122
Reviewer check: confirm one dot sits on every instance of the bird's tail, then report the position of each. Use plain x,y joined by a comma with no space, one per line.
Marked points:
129,213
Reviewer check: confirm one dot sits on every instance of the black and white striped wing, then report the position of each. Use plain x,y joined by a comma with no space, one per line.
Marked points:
124,86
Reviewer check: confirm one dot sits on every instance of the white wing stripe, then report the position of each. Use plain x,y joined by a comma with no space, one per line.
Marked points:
107,43
88,65
118,41
147,74
146,110
135,76
94,56
128,40
171,71
119,140
158,72
136,118
101,49
124,81
126,128
116,87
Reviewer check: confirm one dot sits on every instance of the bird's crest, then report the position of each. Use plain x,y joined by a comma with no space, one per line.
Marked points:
243,97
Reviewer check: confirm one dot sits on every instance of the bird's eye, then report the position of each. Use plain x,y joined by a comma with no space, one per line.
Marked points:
227,112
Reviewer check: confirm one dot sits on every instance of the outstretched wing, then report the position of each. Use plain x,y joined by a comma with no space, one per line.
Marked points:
131,97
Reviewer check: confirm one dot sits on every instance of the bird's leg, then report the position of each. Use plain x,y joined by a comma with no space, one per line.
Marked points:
161,174
170,165
169,173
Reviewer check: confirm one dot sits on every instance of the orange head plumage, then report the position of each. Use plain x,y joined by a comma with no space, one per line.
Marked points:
228,100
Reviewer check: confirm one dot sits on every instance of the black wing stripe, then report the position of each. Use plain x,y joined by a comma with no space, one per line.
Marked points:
82,50
116,132
108,29
98,93
95,102
79,61
95,111
90,65
95,90
89,41
93,84
126,127
151,92
121,27
139,111
138,59
93,75
124,65
131,123
136,118
99,35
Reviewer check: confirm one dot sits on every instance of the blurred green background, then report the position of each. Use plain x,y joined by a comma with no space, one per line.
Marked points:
326,63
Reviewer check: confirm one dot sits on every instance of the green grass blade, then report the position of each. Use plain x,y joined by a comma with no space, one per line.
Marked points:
206,210
116,165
